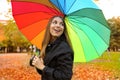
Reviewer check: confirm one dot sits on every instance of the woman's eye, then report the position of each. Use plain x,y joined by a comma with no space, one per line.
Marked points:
61,24
55,22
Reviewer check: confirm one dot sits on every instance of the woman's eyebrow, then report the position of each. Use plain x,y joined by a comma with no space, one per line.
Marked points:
54,20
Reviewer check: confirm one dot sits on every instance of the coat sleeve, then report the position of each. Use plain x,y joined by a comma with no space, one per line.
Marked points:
63,70
39,71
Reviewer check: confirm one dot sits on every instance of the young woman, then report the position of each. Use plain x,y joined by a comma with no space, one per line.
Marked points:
56,57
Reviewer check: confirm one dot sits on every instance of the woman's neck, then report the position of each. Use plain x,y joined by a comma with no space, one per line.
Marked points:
53,39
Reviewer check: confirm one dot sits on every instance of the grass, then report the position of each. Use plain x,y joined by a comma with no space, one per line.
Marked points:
109,61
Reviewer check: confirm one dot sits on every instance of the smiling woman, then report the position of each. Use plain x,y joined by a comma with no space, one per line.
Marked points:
56,57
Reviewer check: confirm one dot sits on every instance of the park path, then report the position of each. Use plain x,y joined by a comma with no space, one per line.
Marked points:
15,66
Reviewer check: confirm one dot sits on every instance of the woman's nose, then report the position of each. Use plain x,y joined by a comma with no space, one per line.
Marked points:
58,25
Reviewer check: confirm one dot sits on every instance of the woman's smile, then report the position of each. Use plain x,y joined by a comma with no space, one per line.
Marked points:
57,30
56,27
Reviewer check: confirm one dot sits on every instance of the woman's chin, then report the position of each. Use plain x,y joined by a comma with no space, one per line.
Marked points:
55,35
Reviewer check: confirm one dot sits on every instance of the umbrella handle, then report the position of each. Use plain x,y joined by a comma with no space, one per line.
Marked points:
31,59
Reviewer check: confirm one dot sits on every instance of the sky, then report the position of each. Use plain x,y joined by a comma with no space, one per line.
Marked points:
109,8
4,9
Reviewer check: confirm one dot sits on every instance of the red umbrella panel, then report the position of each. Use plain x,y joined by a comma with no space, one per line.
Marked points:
32,18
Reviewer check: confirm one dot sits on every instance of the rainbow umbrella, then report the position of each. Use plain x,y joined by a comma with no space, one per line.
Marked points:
87,28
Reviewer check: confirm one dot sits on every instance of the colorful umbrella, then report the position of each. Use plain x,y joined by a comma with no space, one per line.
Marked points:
87,28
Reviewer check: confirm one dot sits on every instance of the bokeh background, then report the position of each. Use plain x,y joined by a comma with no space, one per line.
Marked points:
16,50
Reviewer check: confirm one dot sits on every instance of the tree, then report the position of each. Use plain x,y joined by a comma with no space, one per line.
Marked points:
114,24
14,38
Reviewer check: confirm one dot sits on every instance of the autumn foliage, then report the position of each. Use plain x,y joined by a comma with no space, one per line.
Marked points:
16,67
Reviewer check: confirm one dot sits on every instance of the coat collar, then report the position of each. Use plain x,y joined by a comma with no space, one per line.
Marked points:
58,40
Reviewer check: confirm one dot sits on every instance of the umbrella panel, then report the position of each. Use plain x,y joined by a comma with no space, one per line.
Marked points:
79,21
44,2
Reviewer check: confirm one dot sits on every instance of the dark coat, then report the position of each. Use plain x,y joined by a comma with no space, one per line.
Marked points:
58,61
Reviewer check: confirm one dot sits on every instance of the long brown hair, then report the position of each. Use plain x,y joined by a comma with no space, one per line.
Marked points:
47,36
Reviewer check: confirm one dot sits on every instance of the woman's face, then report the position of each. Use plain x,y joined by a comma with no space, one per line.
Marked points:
56,27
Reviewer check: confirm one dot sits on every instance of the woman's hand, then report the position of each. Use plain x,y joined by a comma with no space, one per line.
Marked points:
38,63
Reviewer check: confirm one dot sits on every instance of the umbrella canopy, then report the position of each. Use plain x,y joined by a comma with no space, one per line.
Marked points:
32,16
87,28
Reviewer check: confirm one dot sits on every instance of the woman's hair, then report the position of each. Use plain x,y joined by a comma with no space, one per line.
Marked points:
47,36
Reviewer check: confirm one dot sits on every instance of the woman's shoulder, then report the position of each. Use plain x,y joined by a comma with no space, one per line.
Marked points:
64,49
65,46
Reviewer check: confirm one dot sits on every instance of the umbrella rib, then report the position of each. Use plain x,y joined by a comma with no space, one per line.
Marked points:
64,6
76,33
32,12
50,8
54,6
37,34
60,6
90,39
95,31
98,34
35,22
71,6
88,17
94,20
